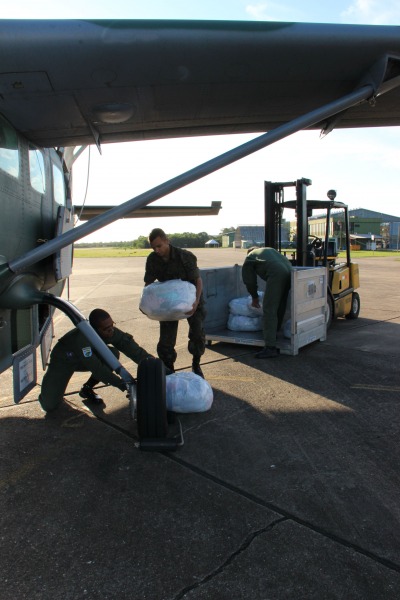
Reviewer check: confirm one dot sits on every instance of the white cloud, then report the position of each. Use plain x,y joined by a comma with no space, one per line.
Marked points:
268,11
257,11
373,12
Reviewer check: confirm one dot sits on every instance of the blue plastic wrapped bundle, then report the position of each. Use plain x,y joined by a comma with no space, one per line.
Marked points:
243,316
242,323
287,329
168,300
188,393
242,306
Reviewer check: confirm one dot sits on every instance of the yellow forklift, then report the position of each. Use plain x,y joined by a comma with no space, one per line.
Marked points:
313,251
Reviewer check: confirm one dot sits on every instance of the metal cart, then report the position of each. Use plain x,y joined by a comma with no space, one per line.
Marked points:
307,307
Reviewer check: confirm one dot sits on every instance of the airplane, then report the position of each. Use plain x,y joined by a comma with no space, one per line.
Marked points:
67,84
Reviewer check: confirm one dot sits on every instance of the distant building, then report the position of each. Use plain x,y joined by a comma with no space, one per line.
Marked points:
212,244
227,239
394,235
254,235
366,226
249,235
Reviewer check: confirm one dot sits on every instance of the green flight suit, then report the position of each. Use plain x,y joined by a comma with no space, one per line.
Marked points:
181,264
275,269
73,353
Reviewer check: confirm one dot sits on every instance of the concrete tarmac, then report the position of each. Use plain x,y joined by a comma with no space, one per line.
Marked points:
288,488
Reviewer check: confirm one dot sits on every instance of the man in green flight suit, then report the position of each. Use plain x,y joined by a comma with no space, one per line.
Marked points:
74,353
167,262
275,270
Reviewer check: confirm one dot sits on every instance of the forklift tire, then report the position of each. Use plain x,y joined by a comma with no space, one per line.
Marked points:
152,421
330,311
355,307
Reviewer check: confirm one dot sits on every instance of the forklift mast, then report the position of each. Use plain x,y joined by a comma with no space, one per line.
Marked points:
274,205
313,250
273,211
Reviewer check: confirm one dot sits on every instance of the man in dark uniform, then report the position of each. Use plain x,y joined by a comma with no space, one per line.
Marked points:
74,353
163,264
275,269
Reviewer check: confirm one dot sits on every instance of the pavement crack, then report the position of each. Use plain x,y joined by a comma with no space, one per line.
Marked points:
232,415
286,515
229,560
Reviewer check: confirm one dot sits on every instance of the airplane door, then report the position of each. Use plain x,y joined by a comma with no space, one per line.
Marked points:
63,257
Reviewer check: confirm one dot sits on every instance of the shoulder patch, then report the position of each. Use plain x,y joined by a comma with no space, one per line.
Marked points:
87,352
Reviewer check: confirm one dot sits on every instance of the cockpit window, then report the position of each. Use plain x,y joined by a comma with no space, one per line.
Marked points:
9,154
36,170
58,186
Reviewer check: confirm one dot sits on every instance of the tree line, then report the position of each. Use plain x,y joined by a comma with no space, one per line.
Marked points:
181,240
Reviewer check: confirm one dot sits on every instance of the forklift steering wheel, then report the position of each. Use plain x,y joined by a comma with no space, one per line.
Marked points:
316,242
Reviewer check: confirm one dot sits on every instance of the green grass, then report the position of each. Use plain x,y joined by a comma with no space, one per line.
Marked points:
108,252
117,252
356,254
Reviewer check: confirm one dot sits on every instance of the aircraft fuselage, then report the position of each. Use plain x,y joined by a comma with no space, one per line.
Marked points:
33,194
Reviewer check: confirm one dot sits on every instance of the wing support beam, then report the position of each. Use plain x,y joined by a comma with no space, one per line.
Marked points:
90,212
384,76
303,122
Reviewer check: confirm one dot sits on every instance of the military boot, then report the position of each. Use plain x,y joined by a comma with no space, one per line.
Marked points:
196,367
268,352
88,393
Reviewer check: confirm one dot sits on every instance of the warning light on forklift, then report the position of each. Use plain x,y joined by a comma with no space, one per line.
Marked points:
331,194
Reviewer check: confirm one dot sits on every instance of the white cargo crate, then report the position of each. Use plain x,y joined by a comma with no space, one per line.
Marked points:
306,307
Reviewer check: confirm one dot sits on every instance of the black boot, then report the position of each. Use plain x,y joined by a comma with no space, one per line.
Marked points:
196,367
169,368
267,352
89,394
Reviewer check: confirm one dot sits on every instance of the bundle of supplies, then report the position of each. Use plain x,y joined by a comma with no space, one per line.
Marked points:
188,393
287,329
243,316
168,300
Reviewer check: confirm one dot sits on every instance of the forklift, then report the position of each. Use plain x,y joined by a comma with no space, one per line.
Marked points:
313,251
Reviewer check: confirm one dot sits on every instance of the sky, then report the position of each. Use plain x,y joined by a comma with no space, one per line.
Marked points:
361,165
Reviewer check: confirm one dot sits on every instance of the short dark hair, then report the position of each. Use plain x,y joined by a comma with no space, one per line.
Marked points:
97,316
155,233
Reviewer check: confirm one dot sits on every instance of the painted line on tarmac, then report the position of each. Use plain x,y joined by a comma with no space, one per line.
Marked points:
76,302
74,422
378,388
19,474
225,378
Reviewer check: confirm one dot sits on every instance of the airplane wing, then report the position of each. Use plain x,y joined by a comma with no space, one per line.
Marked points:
65,83
87,212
